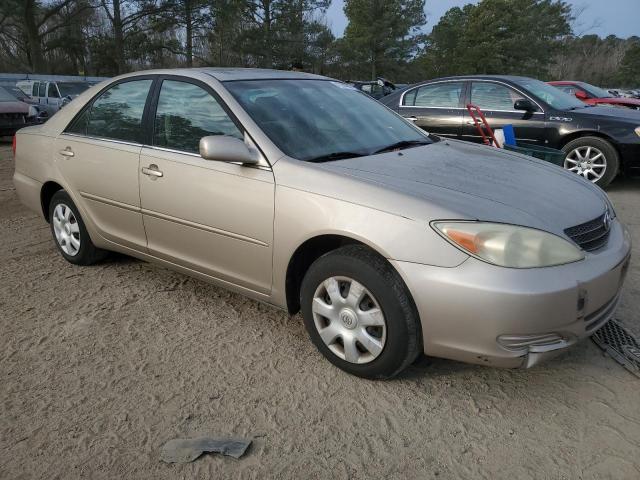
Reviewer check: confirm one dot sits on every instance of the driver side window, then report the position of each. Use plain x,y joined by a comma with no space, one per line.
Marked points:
493,96
185,114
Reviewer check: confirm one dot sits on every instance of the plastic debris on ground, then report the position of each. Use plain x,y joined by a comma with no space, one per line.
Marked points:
185,450
620,345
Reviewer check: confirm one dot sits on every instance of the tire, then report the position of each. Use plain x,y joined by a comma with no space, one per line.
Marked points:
69,232
597,145
397,342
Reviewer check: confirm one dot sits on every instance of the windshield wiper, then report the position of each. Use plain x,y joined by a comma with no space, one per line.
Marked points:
329,157
402,144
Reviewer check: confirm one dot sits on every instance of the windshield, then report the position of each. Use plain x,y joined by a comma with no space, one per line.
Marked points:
551,95
596,92
71,89
320,119
6,96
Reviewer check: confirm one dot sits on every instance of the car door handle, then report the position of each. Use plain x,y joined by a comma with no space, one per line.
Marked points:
152,171
471,122
412,119
67,152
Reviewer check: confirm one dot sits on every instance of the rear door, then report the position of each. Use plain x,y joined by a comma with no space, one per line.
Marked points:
98,155
496,101
435,107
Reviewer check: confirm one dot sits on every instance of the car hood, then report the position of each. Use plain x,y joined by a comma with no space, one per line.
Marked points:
627,115
479,182
617,101
14,107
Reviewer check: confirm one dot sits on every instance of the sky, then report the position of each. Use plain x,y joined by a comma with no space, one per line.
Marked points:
602,17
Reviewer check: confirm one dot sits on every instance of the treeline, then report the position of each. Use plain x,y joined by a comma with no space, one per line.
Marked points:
382,38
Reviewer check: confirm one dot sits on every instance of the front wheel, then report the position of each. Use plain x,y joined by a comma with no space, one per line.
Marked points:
359,313
593,158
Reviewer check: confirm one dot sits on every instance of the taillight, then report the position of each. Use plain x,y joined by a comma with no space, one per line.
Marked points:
13,146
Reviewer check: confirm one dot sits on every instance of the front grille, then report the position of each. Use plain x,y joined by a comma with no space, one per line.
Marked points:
591,235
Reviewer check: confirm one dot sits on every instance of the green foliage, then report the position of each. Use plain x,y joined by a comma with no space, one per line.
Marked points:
498,37
383,38
629,74
381,35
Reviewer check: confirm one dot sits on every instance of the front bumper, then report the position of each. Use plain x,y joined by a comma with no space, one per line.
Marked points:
464,310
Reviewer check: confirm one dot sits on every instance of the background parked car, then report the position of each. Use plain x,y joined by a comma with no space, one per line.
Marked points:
52,96
376,89
593,95
598,141
15,113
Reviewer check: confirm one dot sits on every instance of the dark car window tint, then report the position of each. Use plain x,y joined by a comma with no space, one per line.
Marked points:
117,113
34,92
438,95
492,96
185,114
42,90
53,91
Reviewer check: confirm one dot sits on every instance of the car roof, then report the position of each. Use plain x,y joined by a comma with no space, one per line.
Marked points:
232,73
512,78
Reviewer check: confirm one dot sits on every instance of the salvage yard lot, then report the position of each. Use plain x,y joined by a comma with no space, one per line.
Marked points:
101,365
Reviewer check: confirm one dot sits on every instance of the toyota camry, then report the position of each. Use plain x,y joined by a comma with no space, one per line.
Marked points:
302,192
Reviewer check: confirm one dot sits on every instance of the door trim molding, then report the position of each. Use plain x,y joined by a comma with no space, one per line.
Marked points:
205,228
108,201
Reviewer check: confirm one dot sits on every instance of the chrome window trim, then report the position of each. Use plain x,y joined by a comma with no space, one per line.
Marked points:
460,108
471,80
102,139
196,155
153,147
171,150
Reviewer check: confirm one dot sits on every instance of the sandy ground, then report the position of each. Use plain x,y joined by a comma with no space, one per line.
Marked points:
101,365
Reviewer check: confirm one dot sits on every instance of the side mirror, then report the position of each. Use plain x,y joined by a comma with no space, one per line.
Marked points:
223,148
581,95
524,104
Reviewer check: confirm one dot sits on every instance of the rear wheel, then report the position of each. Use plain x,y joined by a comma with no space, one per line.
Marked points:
359,313
593,158
70,233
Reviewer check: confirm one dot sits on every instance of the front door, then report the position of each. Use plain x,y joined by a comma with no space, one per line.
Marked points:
435,107
212,217
98,156
496,101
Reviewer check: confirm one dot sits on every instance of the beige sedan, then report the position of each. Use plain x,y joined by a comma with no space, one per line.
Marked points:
299,191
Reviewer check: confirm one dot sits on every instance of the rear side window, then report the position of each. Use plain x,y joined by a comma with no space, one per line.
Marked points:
185,114
444,95
34,92
493,96
116,114
42,90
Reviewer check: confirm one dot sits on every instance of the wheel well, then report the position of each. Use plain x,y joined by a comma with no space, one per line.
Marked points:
303,257
573,136
46,193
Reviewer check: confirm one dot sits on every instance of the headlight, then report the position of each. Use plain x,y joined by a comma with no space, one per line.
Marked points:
509,245
637,130
33,111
